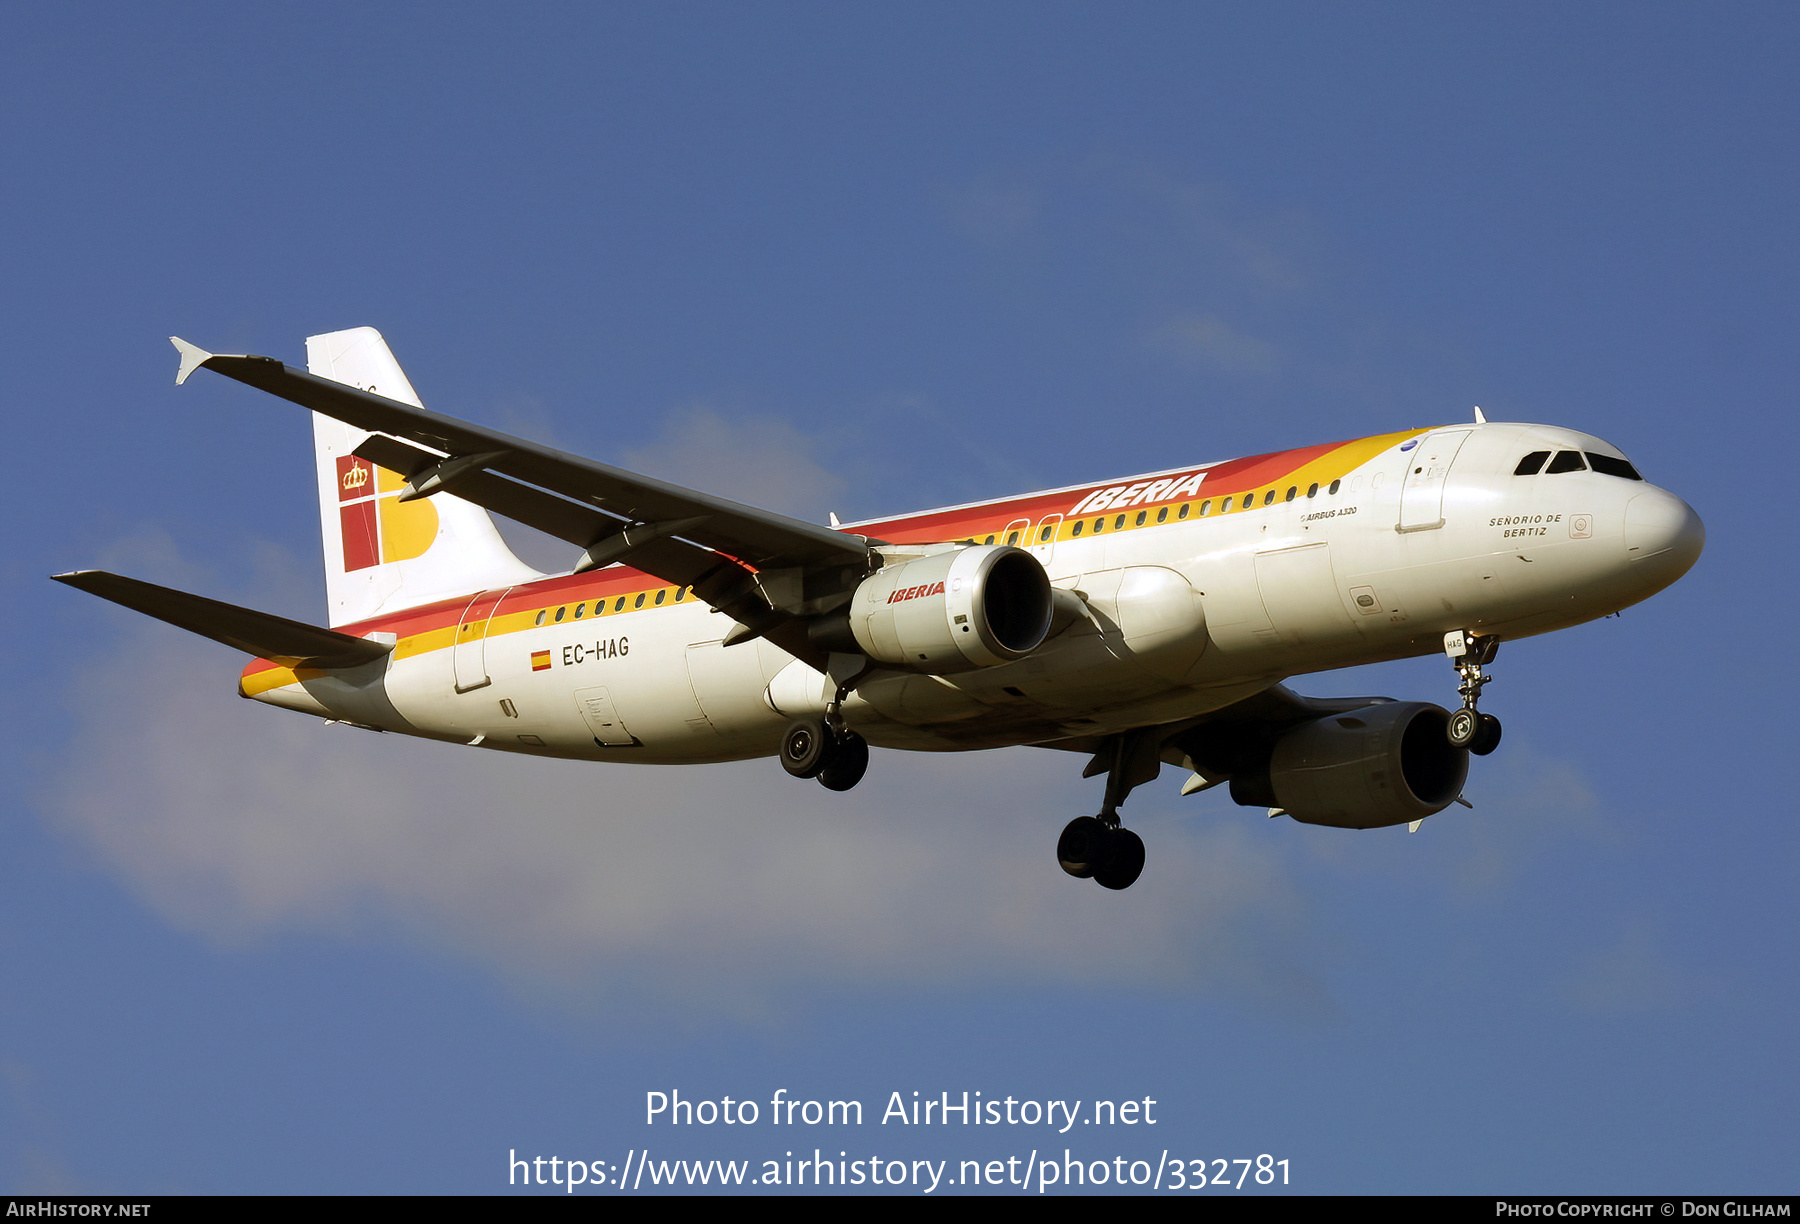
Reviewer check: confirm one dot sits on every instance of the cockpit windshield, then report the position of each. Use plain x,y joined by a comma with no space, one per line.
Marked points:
1575,461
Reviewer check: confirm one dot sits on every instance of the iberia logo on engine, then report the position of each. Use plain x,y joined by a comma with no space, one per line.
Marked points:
918,592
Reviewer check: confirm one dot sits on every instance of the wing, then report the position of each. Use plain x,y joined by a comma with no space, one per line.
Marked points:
760,537
1229,742
752,564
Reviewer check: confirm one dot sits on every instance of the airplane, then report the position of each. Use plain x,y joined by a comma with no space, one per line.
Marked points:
1141,622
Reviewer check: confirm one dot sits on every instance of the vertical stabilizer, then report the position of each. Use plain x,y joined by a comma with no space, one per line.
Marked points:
382,554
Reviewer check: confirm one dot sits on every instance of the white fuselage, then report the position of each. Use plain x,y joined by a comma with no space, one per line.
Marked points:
1433,533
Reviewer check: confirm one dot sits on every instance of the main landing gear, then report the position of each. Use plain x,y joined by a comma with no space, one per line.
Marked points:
815,748
1098,847
1468,727
824,748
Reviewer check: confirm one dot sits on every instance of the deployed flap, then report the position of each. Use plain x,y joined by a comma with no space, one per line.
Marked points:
289,643
760,537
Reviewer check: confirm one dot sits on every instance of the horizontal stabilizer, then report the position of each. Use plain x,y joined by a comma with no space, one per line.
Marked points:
290,643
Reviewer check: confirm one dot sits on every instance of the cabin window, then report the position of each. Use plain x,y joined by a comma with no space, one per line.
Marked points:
989,540
620,605
559,613
1606,465
1290,493
660,595
1566,461
1313,490
1142,515
1269,498
1334,487
1119,523
542,612
1183,512
639,602
1076,530
1099,525
1046,533
1012,537
1162,515
1205,506
1531,464
680,594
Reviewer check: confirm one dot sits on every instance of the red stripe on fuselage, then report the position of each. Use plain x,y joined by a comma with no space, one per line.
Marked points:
931,526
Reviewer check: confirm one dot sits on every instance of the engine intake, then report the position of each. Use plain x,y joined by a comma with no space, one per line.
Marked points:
1381,765
953,611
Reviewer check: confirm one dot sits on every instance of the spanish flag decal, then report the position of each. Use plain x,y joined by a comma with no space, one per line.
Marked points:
540,660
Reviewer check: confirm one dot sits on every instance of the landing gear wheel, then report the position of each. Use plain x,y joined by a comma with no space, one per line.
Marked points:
1487,735
1462,727
1082,842
1122,861
806,747
849,761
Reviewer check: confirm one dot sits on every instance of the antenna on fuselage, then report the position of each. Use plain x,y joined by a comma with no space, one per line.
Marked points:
1480,419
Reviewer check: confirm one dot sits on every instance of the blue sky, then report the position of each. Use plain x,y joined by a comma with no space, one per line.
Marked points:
869,259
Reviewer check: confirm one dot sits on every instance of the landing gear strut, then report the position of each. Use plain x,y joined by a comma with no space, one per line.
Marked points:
1098,847
1468,727
824,748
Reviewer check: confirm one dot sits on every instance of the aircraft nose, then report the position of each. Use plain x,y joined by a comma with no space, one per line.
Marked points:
1663,532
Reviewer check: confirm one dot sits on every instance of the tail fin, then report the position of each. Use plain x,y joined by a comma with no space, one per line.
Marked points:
382,554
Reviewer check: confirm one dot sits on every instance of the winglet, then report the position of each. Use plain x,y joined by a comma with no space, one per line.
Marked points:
192,358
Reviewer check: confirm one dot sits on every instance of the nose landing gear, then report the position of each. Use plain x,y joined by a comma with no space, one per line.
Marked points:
1468,727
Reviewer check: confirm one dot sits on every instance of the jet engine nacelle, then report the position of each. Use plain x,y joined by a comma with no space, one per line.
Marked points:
953,611
1381,765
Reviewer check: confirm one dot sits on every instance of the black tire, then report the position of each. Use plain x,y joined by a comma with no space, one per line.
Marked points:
1083,841
1122,861
1487,736
806,747
849,761
1461,727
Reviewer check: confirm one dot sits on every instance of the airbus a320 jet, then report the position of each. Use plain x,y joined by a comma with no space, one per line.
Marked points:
1141,622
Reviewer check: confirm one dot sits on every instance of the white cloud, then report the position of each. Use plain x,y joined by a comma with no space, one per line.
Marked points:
761,461
724,886
991,209
1631,974
1209,339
